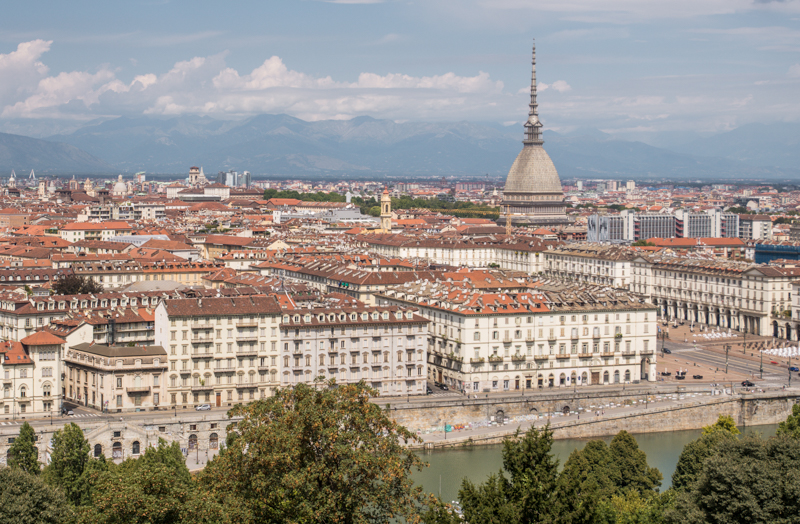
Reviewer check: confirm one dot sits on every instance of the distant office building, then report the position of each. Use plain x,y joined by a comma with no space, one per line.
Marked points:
755,227
629,226
630,185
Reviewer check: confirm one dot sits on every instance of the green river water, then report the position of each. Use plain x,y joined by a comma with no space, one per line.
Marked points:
448,467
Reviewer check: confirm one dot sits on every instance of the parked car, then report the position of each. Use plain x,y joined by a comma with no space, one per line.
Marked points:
665,373
428,390
794,368
668,351
773,362
443,386
698,377
203,407
747,384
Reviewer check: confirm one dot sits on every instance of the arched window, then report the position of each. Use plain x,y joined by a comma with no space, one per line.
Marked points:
23,392
135,447
627,376
213,441
605,377
98,450
477,336
116,450
192,442
46,389
616,377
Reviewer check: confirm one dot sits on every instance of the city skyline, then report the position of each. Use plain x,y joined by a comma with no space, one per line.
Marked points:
638,70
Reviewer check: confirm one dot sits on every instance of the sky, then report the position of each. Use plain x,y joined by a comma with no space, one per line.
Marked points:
638,69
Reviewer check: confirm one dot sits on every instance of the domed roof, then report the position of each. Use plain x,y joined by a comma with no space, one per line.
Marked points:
533,172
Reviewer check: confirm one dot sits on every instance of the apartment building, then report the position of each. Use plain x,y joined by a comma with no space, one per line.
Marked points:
106,230
115,378
557,336
516,254
383,346
736,295
31,371
221,350
755,227
599,264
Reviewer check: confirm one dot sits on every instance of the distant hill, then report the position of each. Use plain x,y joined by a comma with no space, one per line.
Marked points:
367,147
753,144
22,153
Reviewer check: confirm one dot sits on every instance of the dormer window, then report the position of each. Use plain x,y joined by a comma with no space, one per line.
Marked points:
61,305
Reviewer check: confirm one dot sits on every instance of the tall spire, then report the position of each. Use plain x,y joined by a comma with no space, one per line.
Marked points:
533,127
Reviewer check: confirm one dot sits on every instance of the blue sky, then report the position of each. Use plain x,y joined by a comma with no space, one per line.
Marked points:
635,68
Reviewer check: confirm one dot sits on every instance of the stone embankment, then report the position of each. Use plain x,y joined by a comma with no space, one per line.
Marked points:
599,416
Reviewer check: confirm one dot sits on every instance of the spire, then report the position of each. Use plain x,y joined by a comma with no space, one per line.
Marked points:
533,127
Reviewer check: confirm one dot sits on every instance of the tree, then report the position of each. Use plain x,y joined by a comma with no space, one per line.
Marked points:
523,497
629,469
23,453
76,285
316,454
791,426
694,454
748,480
724,423
69,464
583,483
25,499
155,488
643,243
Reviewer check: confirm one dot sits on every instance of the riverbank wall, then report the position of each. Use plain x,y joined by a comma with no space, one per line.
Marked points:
637,415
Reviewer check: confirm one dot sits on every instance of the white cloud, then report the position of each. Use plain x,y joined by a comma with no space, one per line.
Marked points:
21,70
559,85
794,71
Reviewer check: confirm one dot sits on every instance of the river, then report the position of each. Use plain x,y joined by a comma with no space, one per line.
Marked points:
448,467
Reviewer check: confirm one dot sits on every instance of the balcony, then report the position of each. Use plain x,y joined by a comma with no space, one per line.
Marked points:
247,352
199,327
628,354
479,360
584,355
264,368
646,352
563,356
246,385
518,358
247,338
529,338
138,391
247,324
541,357
607,355
200,387
202,340
225,369
495,358
198,354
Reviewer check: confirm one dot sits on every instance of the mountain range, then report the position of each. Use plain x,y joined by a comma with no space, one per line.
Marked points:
281,145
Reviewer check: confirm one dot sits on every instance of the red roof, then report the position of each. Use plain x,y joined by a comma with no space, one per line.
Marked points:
42,338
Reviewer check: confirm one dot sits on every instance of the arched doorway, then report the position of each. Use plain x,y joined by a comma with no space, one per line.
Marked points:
627,375
643,372
192,442
775,329
616,377
213,441
562,380
551,380
116,450
585,378
605,377
500,416
565,410
574,377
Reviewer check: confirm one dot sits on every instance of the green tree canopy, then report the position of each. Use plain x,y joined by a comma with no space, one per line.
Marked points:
155,488
748,480
629,469
26,499
68,464
694,454
791,426
23,453
307,454
525,495
76,285
724,423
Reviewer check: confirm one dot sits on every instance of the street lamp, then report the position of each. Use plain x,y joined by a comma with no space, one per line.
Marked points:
761,369
727,348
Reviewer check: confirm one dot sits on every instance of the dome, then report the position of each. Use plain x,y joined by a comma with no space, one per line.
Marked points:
120,188
533,172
